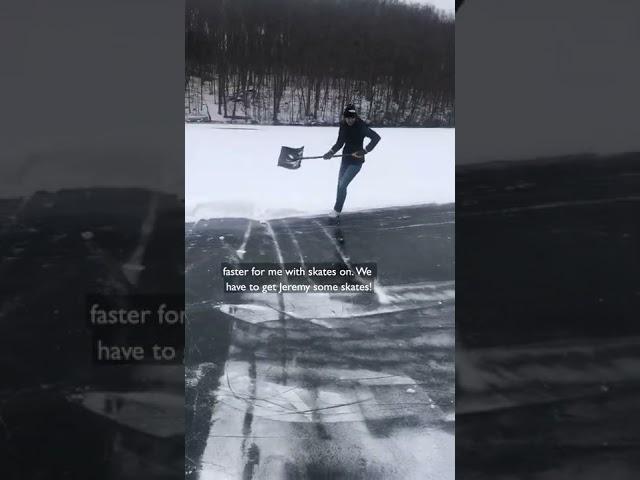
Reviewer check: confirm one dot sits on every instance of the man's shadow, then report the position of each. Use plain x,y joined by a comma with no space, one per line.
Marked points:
336,231
338,235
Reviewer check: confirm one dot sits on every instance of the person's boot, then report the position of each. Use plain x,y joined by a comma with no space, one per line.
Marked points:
334,214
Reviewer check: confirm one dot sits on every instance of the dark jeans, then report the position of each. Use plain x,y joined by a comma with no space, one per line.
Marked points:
348,171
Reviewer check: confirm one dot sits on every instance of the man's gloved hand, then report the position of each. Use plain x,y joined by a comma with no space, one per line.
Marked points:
359,154
328,155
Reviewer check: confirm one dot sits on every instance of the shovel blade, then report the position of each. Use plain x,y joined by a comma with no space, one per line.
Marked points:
290,157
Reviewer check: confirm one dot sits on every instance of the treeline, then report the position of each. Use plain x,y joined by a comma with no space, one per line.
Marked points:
284,61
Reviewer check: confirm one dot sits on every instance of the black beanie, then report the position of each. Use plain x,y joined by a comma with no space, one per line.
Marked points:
349,111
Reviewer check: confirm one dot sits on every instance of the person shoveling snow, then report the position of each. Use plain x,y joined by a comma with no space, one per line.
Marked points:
352,132
351,136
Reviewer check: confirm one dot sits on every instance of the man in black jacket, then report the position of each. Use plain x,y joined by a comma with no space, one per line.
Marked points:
353,130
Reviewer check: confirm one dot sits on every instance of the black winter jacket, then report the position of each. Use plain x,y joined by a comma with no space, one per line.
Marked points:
352,139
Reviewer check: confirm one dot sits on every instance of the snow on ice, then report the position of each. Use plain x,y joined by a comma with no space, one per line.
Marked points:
230,171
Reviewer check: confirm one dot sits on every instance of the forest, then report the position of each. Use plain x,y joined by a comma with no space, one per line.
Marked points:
300,61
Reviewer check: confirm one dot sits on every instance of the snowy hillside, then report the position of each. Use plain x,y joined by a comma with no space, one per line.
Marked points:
291,62
231,171
301,105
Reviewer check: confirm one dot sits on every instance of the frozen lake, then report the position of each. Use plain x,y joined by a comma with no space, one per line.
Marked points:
284,386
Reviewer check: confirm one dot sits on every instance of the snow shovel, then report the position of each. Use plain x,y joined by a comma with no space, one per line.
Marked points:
291,158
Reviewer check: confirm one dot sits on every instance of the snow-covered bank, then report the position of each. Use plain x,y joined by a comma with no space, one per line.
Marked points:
230,171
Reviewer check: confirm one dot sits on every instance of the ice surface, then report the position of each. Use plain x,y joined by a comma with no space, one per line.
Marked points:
230,171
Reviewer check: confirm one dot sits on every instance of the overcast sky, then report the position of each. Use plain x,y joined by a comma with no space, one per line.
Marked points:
446,5
544,78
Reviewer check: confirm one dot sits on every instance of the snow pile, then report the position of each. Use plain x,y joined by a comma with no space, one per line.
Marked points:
230,171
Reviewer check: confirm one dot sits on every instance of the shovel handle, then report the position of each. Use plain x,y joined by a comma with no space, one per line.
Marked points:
322,156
